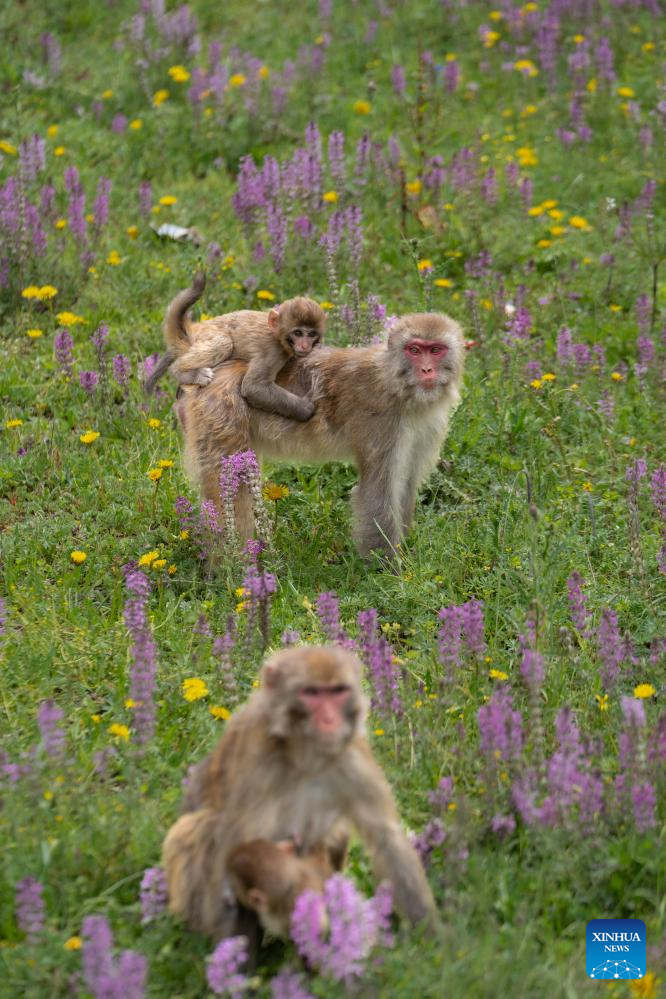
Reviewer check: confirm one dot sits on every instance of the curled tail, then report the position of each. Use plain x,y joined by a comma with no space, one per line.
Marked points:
176,334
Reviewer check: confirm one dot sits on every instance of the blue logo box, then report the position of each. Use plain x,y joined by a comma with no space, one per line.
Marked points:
616,948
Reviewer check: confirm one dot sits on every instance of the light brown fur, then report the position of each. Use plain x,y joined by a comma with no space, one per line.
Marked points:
273,776
370,410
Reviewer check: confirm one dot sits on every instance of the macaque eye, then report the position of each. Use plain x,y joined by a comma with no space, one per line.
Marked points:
414,350
436,350
310,691
341,689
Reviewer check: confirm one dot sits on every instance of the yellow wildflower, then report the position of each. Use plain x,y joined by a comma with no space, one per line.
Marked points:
159,563
148,558
59,151
557,230
165,463
106,94
272,491
362,107
555,213
490,38
264,72
578,39
159,97
602,701
496,15
136,124
526,156
155,474
646,987
89,437
10,424
120,731
132,231
535,210
536,383
78,557
69,318
626,92
241,606
544,243
194,689
172,570
330,197
154,423
498,674
644,690
591,86
237,80
443,283
327,305
218,712
379,731
265,295
168,199
578,222
424,265
588,487
8,148
414,187
179,74
130,702
60,223
35,334
74,943
548,377
114,258
526,66
617,376
648,46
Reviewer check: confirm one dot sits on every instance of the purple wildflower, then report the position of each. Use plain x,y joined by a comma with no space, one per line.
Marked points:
578,602
145,198
121,369
153,894
223,972
328,612
500,727
644,801
88,381
287,985
398,80
143,668
49,718
378,656
106,979
63,345
101,202
450,638
609,648
471,614
30,908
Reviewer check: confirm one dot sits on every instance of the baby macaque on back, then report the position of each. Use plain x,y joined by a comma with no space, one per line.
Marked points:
264,340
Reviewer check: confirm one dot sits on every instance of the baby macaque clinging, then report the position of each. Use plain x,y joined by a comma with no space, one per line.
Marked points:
264,340
294,762
268,877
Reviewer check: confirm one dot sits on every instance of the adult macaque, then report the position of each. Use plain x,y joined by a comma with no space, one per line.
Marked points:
386,408
293,763
268,877
265,340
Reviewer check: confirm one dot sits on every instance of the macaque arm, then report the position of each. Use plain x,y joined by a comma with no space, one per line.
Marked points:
259,389
394,858
204,353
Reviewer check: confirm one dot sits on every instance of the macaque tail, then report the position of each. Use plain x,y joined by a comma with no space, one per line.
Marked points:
176,334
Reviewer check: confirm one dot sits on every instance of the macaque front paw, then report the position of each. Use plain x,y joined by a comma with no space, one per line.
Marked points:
306,410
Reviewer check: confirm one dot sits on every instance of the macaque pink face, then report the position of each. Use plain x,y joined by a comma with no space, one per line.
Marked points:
302,341
425,357
326,707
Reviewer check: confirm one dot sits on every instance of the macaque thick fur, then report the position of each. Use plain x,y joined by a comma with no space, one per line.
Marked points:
265,340
293,763
386,408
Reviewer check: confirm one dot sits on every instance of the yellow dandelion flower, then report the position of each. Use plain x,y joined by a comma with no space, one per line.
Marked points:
179,74
536,383
424,265
165,463
60,223
154,423
528,110
617,376
543,244
498,674
218,712
148,558
486,304
555,214
578,222
130,702
159,97
626,92
263,73
557,230
330,197
535,210
443,283
155,474
496,15
35,334
588,487
184,535
159,563
644,690
602,701
647,46
74,943
193,689
362,107
89,437
168,199
237,80
491,38
578,39
526,156
574,387
107,94
136,124
32,291
646,987
548,377
119,731
228,262
8,148
526,66
114,258
132,231
78,557
327,305
52,131
10,424
172,570
265,295
69,318
414,187
273,492
379,731
96,719
591,86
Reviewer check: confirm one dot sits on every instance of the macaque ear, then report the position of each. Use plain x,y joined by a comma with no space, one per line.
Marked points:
273,317
257,899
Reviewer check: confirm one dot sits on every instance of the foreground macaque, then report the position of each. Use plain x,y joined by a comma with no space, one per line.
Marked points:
265,340
386,408
293,763
268,877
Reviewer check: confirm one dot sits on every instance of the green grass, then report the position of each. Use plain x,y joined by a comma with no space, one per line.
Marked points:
530,487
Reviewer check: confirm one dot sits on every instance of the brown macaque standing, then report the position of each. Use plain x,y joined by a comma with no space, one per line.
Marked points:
293,762
268,877
264,340
386,408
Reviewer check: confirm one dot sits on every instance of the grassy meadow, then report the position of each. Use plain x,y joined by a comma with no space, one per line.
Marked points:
500,164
